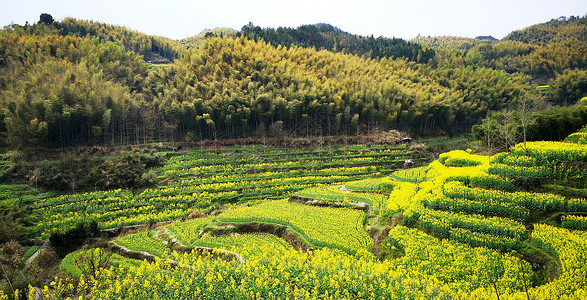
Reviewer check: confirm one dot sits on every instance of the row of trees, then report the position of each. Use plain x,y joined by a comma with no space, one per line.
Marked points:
527,121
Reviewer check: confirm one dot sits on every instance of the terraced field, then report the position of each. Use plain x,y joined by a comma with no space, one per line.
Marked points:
201,181
458,228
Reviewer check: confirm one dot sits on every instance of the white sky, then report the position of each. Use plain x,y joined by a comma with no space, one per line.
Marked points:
179,19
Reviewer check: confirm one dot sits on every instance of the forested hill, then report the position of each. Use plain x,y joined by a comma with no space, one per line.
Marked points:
197,40
450,42
319,36
328,37
556,30
239,86
77,83
63,90
152,48
554,54
83,90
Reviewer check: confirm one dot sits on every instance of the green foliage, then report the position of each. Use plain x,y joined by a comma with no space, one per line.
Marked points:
318,226
548,125
569,87
568,247
577,137
437,220
243,244
492,208
574,222
555,124
333,194
382,185
232,87
460,158
144,241
59,91
152,48
543,51
449,42
328,37
476,239
14,276
81,264
77,83
126,172
413,175
87,172
201,181
46,18
553,31
66,241
535,202
11,227
93,261
229,87
196,41
467,224
577,205
30,251
491,181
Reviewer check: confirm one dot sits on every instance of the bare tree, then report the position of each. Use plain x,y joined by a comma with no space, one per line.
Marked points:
509,127
527,109
92,261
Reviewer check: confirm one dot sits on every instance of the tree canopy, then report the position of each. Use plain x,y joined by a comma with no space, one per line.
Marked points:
78,82
328,37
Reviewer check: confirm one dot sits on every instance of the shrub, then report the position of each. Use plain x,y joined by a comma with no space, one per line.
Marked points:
460,158
67,241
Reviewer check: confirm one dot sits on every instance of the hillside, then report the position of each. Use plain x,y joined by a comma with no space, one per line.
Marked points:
227,88
554,31
554,54
455,42
63,90
152,48
235,87
197,40
328,37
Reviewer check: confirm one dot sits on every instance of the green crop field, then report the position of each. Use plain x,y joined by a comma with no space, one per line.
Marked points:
203,180
286,224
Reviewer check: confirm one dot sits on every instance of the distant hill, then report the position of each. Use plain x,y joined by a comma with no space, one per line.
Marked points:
553,54
153,48
331,38
486,38
451,42
556,30
196,40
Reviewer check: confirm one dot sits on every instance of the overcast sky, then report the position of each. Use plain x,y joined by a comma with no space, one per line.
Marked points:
179,19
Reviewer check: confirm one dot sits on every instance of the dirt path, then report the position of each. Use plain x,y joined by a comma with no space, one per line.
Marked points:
34,256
